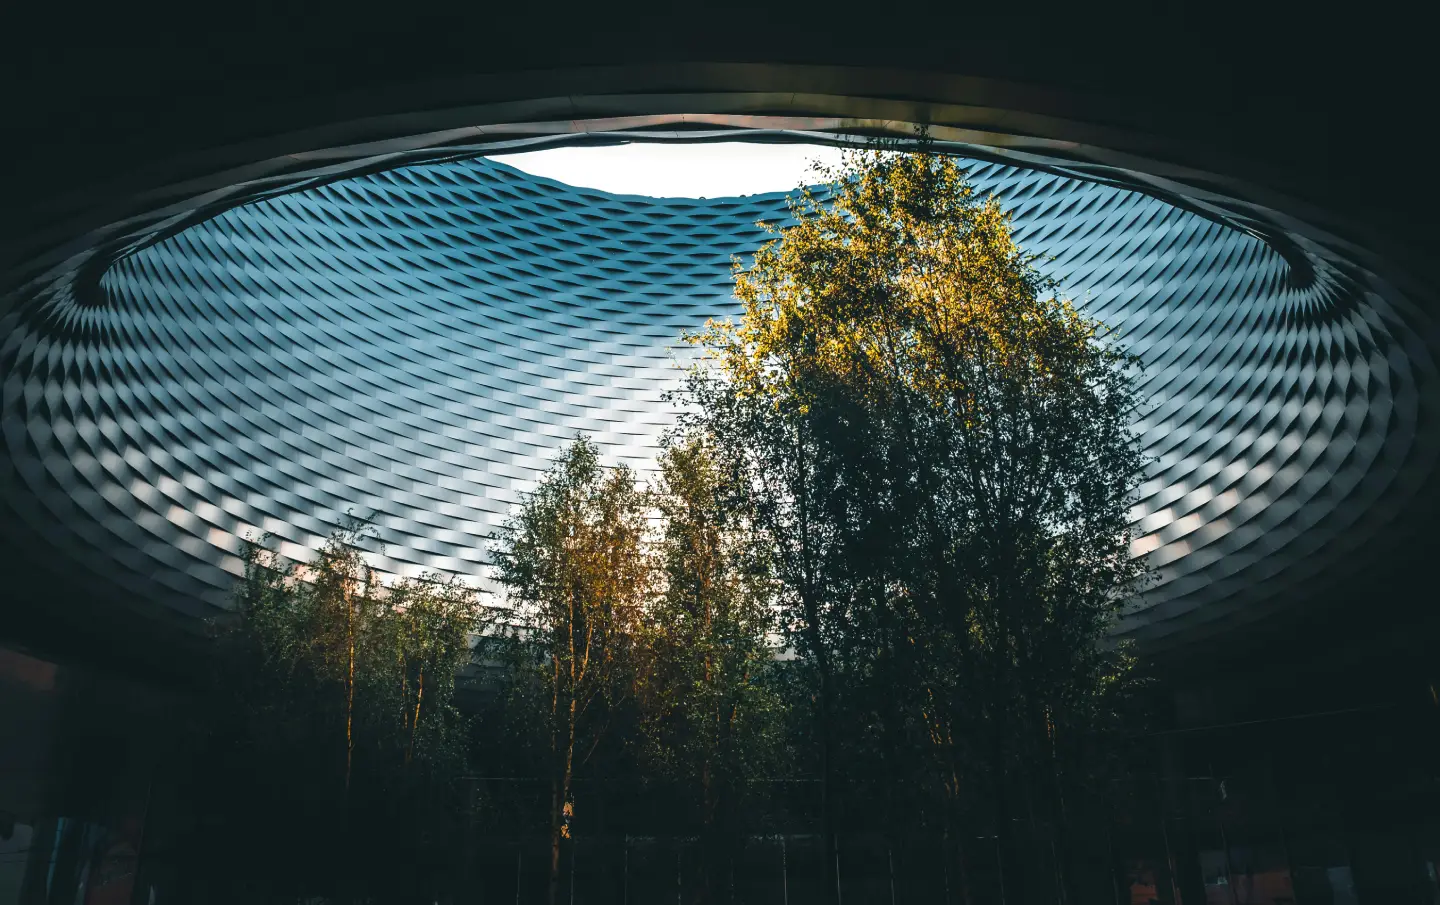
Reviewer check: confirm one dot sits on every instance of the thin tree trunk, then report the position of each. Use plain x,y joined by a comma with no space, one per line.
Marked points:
953,822
558,802
1010,869
555,780
962,864
415,721
349,691
707,832
827,797
553,888
558,831
1062,833
827,765
822,662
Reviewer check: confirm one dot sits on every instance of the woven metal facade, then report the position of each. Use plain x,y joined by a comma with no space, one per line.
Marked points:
415,344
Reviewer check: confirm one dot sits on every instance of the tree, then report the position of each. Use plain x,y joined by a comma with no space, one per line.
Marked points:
941,450
710,715
332,708
767,446
573,562
427,627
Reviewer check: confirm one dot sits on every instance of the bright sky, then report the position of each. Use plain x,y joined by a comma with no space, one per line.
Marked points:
679,169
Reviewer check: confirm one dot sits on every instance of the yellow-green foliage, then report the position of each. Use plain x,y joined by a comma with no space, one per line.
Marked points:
897,271
940,448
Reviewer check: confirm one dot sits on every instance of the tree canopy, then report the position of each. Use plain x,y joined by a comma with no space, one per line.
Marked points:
574,563
333,703
909,462
940,454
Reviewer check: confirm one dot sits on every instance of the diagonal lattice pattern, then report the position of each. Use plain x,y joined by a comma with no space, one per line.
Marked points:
415,344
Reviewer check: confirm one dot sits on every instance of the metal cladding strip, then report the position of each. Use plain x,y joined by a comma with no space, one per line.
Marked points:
416,344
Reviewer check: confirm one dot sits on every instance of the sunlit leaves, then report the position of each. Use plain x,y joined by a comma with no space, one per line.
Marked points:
574,563
938,449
